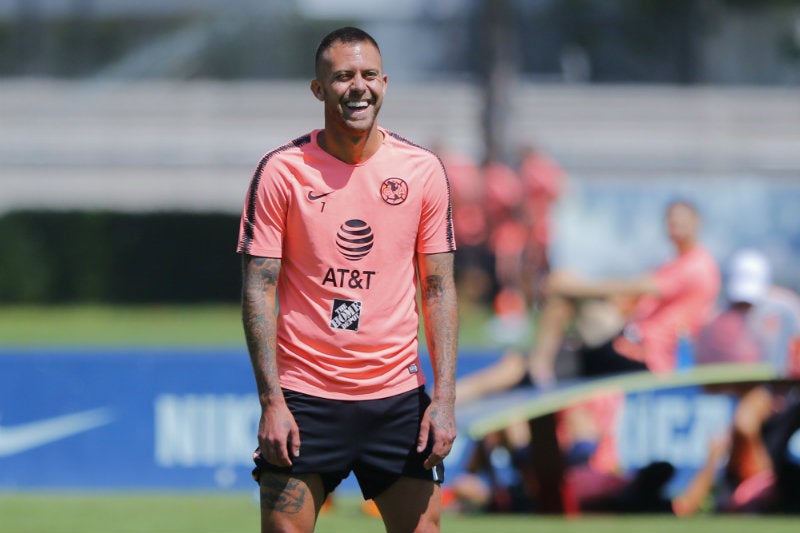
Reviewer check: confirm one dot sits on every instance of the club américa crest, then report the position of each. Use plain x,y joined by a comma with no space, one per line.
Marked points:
394,191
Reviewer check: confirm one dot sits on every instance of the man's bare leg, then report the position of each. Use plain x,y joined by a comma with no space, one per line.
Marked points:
290,504
411,506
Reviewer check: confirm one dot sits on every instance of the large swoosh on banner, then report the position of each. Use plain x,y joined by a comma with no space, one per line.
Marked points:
23,437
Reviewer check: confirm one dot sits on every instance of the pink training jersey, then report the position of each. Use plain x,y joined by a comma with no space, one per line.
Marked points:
688,290
348,236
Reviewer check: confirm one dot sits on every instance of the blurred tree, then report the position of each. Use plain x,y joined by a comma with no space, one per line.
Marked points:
661,41
497,75
29,37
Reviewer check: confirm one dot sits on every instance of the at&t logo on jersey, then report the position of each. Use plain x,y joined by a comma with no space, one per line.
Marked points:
346,314
355,239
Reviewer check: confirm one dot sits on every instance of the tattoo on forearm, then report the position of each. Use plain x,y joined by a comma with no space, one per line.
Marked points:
287,496
434,287
441,318
259,281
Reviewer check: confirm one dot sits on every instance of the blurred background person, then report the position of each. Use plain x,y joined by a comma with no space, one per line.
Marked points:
544,182
761,320
760,323
623,325
474,264
636,323
504,201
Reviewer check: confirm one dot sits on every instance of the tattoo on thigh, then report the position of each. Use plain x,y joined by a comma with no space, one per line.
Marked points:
287,496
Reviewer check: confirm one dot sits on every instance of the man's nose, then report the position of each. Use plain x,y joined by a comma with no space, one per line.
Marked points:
359,84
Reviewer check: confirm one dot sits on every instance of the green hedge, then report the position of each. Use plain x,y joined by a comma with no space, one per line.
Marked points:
66,257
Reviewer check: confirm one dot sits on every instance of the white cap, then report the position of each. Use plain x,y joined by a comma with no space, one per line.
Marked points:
749,276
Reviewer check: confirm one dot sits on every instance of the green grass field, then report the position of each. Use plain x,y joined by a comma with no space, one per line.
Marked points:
86,325
64,512
168,325
235,513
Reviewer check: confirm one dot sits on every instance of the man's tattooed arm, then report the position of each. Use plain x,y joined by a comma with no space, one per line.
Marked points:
278,434
440,313
259,281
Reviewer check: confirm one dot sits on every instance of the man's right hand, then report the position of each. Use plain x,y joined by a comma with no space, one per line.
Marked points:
278,435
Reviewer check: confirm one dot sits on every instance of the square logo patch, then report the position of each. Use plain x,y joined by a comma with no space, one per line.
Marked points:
346,314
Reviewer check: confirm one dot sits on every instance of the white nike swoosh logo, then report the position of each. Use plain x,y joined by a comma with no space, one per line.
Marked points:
23,437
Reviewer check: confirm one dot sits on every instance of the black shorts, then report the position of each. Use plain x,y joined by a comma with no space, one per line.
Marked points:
604,359
374,439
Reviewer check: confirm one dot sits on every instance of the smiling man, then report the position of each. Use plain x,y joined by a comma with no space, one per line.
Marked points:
339,228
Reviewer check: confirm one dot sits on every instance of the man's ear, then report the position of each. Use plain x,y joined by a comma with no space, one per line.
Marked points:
316,90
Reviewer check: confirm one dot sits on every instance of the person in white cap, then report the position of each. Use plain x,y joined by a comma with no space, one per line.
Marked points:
749,276
761,323
729,337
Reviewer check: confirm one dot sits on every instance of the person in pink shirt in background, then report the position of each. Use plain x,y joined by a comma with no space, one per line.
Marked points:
627,325
474,262
623,324
544,182
505,209
632,324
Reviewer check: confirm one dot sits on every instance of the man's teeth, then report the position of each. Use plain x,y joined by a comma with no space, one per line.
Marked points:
357,105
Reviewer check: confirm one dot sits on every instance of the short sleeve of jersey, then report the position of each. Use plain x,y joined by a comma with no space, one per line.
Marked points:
436,220
263,222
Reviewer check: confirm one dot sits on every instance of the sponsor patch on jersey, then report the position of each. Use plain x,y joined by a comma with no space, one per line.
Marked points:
346,314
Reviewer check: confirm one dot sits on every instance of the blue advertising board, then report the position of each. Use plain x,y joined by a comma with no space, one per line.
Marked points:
187,419
130,418
118,418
